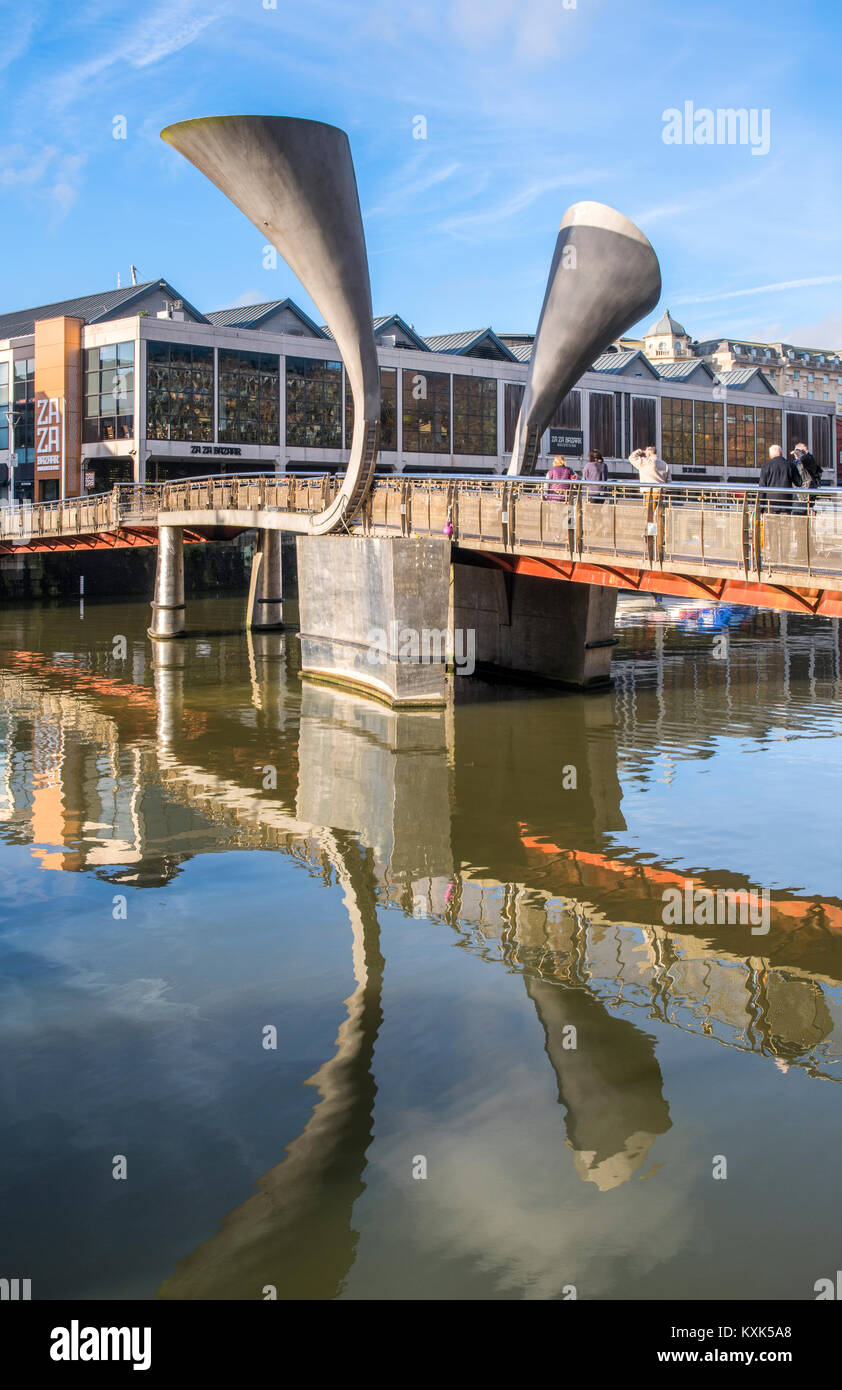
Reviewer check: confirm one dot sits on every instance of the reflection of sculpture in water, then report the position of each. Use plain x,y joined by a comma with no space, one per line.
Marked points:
295,1235
610,1082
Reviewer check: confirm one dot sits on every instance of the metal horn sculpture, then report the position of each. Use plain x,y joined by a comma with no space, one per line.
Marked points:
294,179
603,278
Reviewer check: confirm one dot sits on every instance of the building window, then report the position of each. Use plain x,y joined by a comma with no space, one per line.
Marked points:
248,386
741,436
426,412
767,431
4,405
708,433
314,403
512,397
601,413
109,393
474,415
23,406
643,422
795,376
809,395
809,376
568,415
179,391
388,410
821,441
677,431
797,427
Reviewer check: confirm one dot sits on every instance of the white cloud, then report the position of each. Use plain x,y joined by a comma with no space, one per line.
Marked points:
522,199
759,289
167,30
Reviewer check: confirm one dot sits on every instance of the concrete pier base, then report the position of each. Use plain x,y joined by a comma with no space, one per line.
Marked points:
264,608
168,603
373,614
542,628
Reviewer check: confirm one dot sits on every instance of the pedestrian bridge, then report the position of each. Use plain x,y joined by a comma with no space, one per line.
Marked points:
455,556
773,549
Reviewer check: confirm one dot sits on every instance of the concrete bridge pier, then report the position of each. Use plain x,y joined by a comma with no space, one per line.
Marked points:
524,625
391,617
168,603
264,608
373,615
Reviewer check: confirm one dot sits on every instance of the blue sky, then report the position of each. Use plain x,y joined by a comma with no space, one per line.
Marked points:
529,106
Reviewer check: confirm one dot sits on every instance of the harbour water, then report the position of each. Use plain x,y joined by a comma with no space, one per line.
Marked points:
308,998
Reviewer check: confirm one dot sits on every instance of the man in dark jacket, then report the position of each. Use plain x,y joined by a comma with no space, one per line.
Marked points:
779,472
811,473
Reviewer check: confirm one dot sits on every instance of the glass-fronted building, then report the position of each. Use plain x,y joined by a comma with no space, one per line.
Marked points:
149,389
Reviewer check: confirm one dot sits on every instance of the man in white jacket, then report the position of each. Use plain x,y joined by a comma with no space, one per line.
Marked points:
652,470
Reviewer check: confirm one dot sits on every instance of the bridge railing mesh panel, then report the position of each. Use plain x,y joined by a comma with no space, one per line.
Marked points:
722,534
598,527
783,542
825,539
631,529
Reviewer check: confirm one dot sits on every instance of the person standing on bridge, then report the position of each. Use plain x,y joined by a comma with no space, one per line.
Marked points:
559,475
595,471
779,472
810,470
652,470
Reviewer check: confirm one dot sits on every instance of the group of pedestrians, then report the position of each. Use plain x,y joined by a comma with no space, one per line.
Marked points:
796,470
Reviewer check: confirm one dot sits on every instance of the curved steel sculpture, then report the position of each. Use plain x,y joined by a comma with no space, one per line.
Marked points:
604,277
294,179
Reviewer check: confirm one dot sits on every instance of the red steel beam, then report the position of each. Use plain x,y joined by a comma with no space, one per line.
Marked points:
817,602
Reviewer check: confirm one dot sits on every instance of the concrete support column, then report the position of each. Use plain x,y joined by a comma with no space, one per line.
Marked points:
264,609
373,614
168,603
529,626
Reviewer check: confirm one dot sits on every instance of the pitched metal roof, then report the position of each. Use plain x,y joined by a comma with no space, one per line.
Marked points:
461,343
740,377
252,315
522,351
93,308
679,371
383,321
617,362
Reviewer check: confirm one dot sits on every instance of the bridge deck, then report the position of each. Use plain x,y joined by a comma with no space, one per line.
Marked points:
773,549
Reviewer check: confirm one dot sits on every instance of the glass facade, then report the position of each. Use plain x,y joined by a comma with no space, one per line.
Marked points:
179,391
4,405
512,397
314,403
109,393
767,432
740,420
388,410
249,399
643,422
426,412
602,423
23,406
797,426
708,433
676,431
822,447
474,415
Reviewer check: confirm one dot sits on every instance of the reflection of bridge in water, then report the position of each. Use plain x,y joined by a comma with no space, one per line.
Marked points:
105,775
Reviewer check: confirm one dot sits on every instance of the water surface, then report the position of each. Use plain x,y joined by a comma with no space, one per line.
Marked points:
281,948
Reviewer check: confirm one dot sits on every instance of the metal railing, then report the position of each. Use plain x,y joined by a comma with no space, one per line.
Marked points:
707,529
